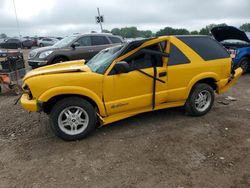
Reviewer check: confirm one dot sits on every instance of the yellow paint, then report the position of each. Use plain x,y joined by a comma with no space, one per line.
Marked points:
123,95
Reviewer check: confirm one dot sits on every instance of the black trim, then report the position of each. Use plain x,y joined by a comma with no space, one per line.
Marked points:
154,86
133,45
40,106
150,76
162,74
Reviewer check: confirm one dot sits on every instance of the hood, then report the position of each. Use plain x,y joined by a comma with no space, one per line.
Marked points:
67,67
35,52
221,33
43,49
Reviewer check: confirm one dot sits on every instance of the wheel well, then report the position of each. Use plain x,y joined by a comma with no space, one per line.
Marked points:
247,56
47,106
62,56
209,81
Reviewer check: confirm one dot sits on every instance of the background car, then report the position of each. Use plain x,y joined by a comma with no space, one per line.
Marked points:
237,43
59,38
2,40
47,42
14,43
74,47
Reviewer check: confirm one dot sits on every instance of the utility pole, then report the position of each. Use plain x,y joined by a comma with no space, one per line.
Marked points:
17,22
99,19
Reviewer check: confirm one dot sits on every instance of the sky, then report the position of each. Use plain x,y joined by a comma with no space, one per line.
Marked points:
64,17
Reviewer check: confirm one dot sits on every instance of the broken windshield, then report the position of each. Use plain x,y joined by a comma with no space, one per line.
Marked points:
100,62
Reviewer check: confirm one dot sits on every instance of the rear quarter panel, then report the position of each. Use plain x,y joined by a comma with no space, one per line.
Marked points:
181,78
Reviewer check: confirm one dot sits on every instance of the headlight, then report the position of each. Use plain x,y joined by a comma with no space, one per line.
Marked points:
32,54
45,54
27,90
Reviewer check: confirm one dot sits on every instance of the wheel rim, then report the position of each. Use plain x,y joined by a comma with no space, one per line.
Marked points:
203,101
244,66
73,120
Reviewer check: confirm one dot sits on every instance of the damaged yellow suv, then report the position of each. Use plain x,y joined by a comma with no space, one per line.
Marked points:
129,79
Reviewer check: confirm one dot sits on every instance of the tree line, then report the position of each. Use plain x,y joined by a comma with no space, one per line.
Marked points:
133,32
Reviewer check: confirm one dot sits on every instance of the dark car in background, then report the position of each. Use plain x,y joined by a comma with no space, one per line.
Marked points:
74,47
237,43
14,43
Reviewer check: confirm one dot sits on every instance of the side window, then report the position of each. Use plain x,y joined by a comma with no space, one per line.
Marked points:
115,40
145,60
176,56
163,45
99,40
84,41
206,47
13,41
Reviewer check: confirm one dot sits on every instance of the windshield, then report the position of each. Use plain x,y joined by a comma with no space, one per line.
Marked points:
248,35
65,41
100,62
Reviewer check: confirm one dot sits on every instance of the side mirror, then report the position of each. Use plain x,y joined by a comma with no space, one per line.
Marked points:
121,67
75,44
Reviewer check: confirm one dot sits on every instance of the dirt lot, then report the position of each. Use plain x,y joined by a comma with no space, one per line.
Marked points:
159,149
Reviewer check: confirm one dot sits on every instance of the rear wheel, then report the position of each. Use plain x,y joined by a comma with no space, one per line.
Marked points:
41,45
244,64
200,100
73,118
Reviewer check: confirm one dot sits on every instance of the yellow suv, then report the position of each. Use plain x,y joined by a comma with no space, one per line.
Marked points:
129,79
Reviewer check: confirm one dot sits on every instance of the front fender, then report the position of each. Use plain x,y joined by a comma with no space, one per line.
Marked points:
200,77
73,90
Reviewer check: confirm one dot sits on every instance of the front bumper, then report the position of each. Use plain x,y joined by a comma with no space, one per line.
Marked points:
37,63
29,105
225,84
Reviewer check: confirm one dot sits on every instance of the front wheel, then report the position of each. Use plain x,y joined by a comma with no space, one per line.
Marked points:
200,100
59,60
73,118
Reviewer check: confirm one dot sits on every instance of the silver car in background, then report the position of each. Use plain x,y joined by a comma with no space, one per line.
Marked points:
47,42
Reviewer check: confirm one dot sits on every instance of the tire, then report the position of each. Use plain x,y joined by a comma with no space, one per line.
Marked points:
244,64
33,67
59,60
68,126
41,45
200,100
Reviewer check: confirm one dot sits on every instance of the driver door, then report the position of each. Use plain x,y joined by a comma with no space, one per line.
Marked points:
83,51
134,90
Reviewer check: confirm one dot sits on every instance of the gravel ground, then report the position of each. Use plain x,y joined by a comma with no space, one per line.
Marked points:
159,149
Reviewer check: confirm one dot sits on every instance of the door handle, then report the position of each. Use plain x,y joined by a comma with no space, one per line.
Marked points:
162,74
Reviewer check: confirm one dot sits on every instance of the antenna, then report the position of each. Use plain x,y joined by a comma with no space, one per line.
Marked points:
17,22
